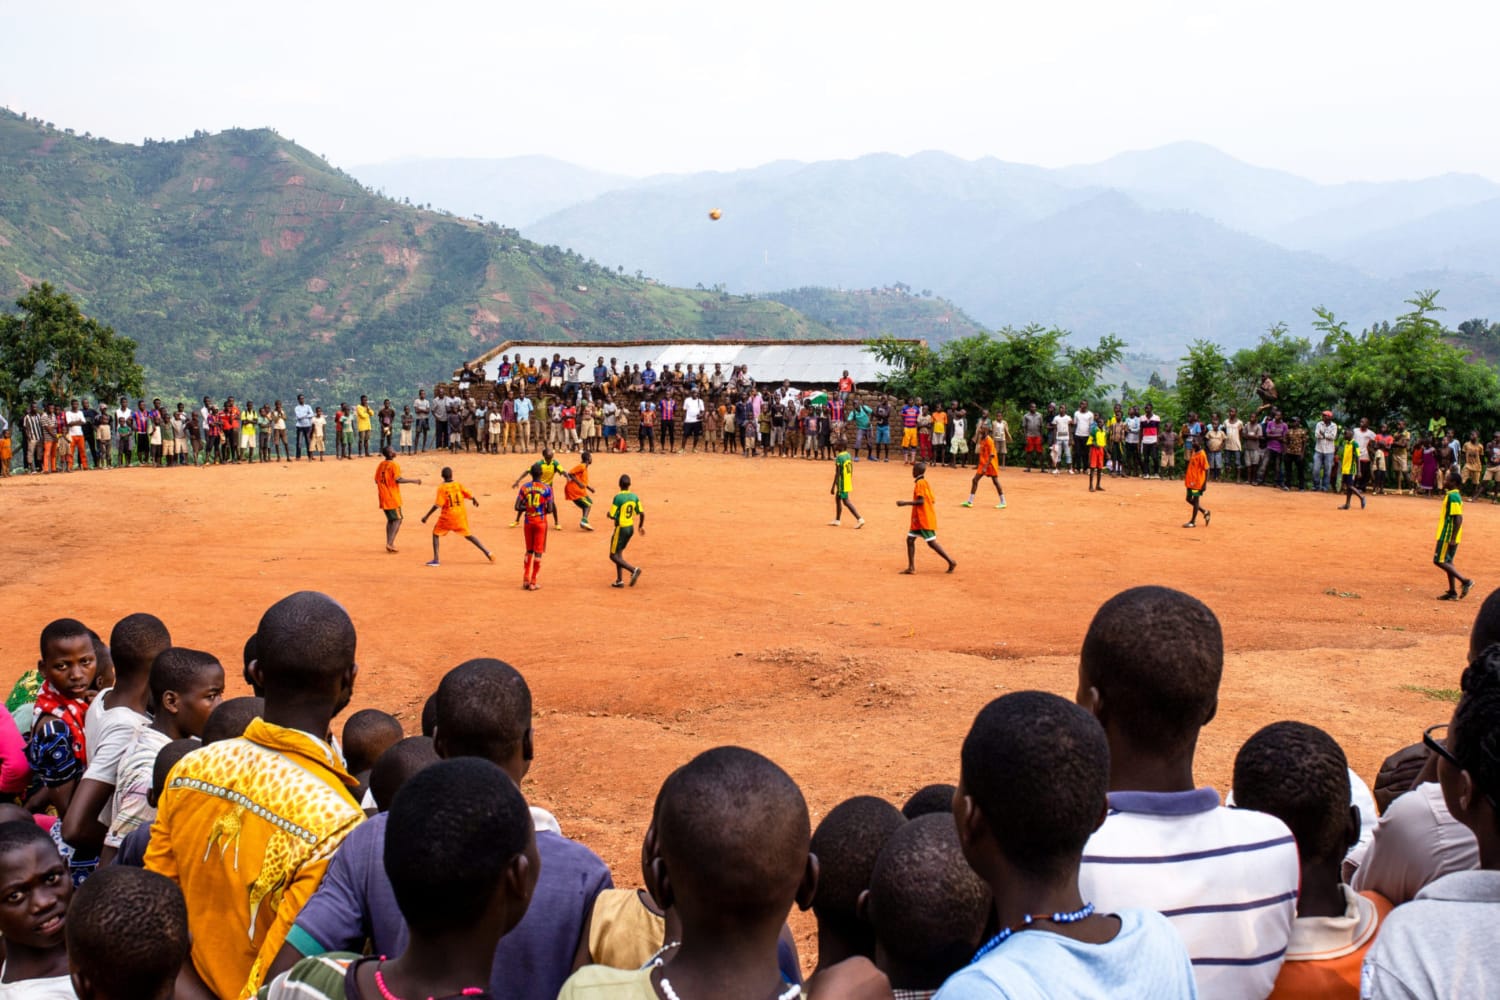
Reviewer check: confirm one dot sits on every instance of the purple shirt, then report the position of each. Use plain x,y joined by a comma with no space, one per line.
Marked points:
356,902
1275,434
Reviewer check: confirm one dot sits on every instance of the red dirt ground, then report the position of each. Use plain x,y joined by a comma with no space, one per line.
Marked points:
755,623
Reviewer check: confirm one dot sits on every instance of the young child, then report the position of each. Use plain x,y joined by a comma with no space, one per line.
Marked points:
461,856
729,850
1098,441
988,467
368,733
1450,533
132,849
625,511
843,483
1349,469
1299,774
927,906
923,520
450,500
1032,787
578,489
1149,671
57,748
186,686
1196,481
36,890
936,798
1168,461
127,936
396,766
846,845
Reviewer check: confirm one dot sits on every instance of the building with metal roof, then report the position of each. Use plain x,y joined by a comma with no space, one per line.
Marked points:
802,362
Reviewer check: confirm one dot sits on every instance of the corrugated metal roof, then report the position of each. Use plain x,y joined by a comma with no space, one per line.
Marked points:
801,363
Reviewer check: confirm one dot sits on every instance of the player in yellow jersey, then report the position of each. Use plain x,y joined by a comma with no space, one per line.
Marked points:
450,500
843,482
551,467
1450,533
625,511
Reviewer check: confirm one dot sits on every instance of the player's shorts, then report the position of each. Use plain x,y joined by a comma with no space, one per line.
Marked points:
1445,552
992,470
882,435
536,535
619,539
1096,457
1193,495
959,446
584,503
842,494
1034,443
908,437
922,533
444,527
392,513
692,431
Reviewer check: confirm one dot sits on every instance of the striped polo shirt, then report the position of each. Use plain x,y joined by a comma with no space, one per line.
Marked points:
1226,878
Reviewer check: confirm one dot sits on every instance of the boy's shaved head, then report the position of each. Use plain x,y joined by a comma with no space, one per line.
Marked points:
166,759
135,643
127,933
1299,774
483,710
62,628
177,668
1037,767
429,715
1486,631
368,733
734,832
398,764
927,905
846,844
1155,655
230,718
930,799
305,642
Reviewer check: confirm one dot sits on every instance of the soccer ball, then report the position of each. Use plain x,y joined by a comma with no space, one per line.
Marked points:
716,214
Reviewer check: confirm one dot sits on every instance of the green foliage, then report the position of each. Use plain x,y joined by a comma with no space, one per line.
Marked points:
50,350
1203,379
1013,367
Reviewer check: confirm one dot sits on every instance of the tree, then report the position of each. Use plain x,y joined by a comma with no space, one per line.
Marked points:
50,348
1203,382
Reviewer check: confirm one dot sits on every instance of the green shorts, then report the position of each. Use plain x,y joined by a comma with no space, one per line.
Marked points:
620,539
1445,552
393,514
1193,495
842,494
922,533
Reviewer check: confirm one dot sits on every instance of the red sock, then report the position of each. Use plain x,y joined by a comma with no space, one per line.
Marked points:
536,568
526,572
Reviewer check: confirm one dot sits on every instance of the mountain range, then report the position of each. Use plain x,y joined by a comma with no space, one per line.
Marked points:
1161,246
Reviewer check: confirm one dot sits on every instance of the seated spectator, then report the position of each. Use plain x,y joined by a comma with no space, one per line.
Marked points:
483,710
729,849
36,889
246,826
127,936
460,856
132,849
1441,944
1298,774
367,734
927,905
929,799
396,766
846,845
1032,788
56,747
1227,878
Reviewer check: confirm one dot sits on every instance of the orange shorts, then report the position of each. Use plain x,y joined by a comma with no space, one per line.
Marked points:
445,525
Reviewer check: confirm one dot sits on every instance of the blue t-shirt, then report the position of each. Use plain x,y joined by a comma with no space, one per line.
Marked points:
648,376
356,902
1146,959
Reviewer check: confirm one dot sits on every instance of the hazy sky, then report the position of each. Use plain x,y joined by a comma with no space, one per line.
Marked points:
1330,89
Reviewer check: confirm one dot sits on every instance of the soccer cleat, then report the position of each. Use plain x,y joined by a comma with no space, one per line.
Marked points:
1190,524
967,503
635,575
1207,516
833,524
585,526
1449,596
515,522
618,583
1000,505
433,562
861,524
1467,586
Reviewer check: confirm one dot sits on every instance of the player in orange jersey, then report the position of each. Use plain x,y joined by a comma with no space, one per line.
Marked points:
450,500
578,489
388,486
532,505
923,520
1196,481
989,465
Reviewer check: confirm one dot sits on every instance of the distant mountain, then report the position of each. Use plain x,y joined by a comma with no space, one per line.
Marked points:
867,313
242,263
1161,247
515,191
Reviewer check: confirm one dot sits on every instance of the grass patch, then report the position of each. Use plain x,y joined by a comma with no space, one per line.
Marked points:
1450,695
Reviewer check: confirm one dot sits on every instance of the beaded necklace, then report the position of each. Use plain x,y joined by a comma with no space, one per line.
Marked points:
386,994
791,992
1083,913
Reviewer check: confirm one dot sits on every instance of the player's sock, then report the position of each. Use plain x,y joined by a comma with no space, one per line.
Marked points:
526,570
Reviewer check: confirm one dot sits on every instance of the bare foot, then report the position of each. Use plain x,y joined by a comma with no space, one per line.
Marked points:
952,565
908,571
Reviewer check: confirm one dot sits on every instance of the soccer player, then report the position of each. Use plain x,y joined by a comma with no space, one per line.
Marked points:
923,520
388,487
550,468
843,482
1450,532
989,465
910,413
578,489
532,504
1196,481
1098,441
1349,469
450,500
625,511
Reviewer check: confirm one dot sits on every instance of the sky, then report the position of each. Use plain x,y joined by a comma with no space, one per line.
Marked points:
1327,89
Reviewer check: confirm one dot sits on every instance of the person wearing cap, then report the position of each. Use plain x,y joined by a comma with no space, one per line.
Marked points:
1325,443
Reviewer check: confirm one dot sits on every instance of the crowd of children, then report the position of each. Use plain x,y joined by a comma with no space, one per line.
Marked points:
160,841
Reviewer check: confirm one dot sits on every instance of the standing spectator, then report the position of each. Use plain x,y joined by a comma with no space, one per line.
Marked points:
302,415
1255,454
1031,432
1083,426
1364,439
1276,429
421,410
1150,434
387,424
1295,459
1325,445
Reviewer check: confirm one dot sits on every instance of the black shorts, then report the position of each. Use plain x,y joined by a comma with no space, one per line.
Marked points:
692,431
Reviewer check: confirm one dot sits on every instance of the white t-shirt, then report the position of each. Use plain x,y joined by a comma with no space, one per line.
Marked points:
1083,422
1232,435
1061,423
1226,878
692,410
75,423
1362,438
109,732
53,988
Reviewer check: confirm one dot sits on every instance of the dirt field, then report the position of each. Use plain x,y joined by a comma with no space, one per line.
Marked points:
755,623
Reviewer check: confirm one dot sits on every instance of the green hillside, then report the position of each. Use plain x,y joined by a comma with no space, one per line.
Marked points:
242,263
875,312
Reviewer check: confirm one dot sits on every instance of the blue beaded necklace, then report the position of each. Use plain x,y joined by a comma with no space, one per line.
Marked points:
1083,913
